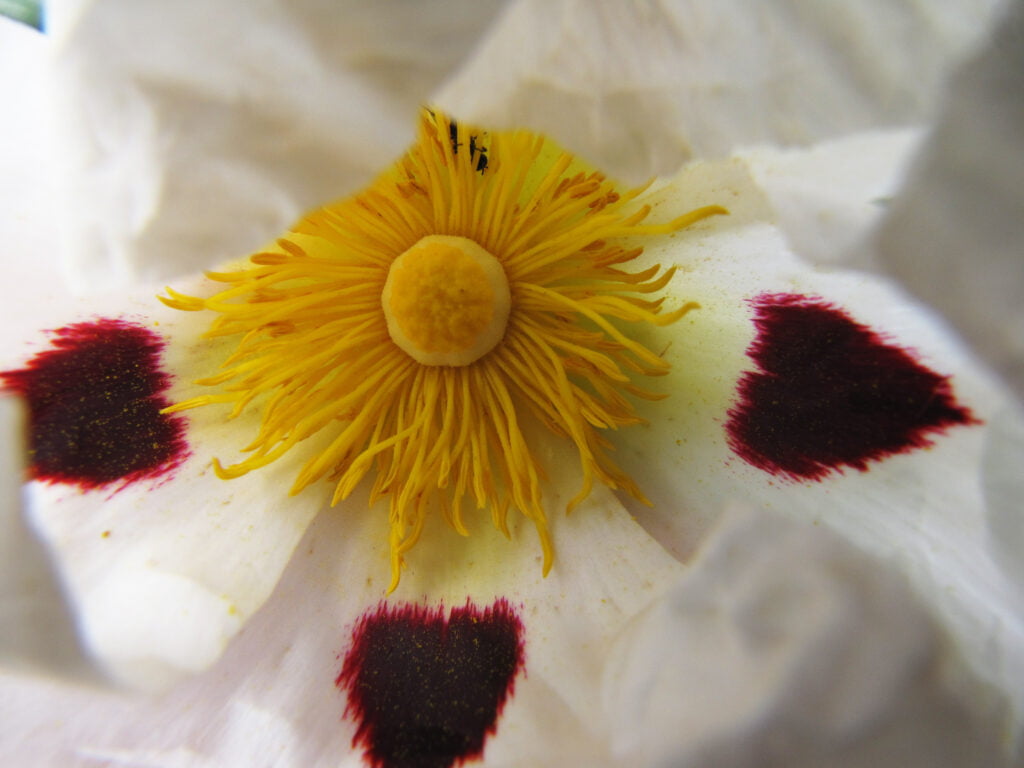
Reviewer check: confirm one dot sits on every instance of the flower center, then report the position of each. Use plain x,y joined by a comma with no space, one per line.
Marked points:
446,301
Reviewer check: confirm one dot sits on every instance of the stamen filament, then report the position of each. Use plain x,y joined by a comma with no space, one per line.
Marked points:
424,324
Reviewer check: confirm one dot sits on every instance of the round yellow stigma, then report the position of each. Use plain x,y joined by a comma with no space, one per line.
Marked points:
446,301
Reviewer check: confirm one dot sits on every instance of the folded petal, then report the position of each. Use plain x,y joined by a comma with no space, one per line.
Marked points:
184,140
784,645
1002,486
37,633
828,198
837,436
26,194
280,675
954,233
638,89
164,561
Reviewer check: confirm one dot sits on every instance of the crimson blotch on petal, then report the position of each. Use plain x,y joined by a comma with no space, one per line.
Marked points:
830,393
94,400
425,689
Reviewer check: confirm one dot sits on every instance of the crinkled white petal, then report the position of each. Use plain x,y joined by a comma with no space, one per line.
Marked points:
827,198
954,236
26,226
637,88
1003,488
185,137
164,572
37,629
924,511
782,645
279,674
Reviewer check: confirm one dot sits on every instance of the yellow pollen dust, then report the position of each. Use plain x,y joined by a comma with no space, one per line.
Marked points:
446,301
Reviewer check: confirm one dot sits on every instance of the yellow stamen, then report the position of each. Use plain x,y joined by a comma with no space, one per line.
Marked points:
478,284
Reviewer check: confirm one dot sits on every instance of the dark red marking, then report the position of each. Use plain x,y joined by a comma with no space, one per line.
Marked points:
94,401
830,393
425,691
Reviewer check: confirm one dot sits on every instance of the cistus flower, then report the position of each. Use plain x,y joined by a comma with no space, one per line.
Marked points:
470,288
804,405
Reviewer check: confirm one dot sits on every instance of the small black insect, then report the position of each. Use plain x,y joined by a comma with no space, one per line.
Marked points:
475,150
453,136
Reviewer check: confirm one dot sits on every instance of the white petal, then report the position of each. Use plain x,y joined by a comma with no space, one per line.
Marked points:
37,630
26,228
923,511
279,675
637,88
783,645
198,556
164,572
827,198
184,139
1003,487
954,236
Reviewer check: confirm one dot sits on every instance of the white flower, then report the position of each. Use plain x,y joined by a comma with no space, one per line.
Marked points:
209,147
